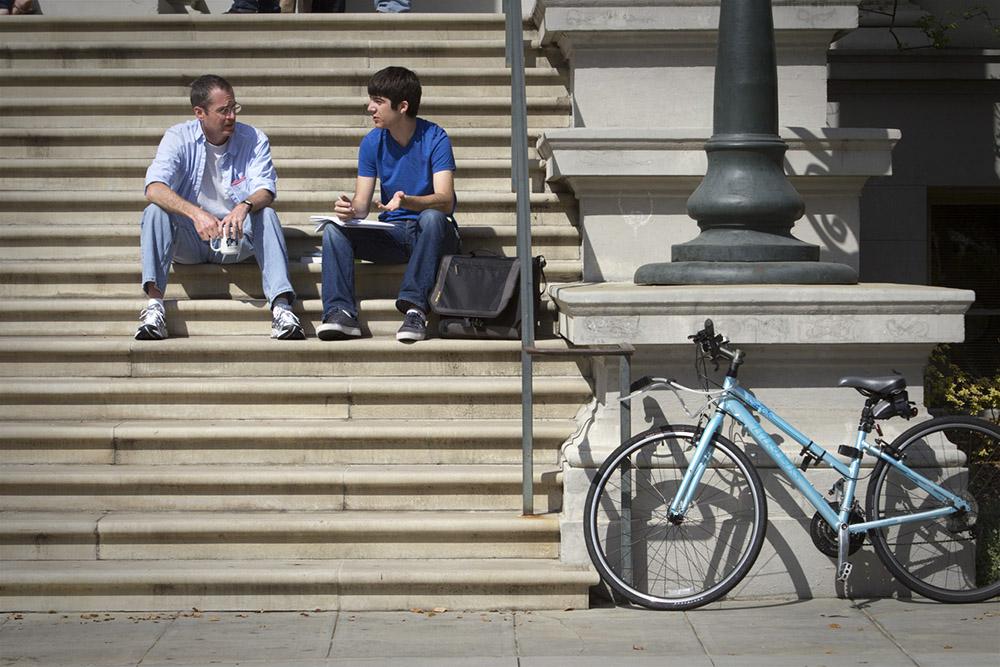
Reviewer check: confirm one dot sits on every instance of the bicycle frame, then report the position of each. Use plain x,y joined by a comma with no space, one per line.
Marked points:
734,403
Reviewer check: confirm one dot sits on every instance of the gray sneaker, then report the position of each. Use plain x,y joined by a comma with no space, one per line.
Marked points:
414,327
152,324
338,326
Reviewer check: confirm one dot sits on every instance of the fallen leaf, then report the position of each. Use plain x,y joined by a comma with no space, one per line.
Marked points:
637,647
835,626
440,610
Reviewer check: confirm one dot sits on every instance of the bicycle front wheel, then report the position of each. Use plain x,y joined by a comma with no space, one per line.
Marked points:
664,562
953,558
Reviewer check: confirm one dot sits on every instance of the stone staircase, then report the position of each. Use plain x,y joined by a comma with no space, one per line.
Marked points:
220,469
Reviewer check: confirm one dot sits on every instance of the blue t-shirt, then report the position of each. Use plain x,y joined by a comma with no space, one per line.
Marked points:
410,169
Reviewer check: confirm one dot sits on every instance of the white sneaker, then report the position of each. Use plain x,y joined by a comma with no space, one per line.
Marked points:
152,323
285,325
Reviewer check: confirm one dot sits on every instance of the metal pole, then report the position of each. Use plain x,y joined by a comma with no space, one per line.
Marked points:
625,473
519,184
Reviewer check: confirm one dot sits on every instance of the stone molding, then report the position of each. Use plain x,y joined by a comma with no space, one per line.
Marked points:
594,161
617,312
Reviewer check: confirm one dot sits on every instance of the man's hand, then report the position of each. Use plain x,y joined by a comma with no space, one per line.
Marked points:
231,226
393,204
343,208
207,225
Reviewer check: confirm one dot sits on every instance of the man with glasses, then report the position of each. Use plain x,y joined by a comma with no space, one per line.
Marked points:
212,178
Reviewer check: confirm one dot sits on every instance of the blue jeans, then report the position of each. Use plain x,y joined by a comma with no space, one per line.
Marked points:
392,6
167,238
259,6
419,244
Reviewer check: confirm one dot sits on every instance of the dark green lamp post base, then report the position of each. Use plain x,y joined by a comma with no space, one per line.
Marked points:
749,273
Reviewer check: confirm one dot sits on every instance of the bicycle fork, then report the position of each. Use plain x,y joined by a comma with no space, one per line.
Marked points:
692,478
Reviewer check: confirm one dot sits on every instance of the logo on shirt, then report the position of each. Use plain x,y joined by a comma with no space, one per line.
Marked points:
238,181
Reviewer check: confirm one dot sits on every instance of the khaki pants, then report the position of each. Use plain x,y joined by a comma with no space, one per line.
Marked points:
288,6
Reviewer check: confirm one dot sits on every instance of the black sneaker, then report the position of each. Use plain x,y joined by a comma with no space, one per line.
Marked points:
338,326
414,327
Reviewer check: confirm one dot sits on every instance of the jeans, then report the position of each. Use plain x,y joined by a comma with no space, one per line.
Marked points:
167,238
419,244
392,6
259,6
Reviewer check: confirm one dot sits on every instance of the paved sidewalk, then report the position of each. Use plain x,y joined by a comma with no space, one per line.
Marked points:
883,633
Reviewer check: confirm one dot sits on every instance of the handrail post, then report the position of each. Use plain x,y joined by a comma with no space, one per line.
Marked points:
519,184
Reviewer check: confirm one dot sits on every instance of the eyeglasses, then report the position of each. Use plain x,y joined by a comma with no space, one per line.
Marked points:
225,111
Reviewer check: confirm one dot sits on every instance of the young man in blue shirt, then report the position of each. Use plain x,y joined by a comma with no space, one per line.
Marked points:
413,160
212,178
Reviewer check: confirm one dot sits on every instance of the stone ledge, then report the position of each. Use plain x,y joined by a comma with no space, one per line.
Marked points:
578,156
560,18
604,313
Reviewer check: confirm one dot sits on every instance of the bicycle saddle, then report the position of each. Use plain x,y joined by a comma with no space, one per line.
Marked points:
885,385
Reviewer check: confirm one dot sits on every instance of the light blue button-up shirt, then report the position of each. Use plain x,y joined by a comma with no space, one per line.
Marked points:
180,162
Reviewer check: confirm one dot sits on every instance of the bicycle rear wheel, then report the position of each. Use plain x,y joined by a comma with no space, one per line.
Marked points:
954,558
663,563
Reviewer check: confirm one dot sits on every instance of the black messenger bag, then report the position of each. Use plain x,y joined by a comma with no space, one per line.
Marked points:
478,296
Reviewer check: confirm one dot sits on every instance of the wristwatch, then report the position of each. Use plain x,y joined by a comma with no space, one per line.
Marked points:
249,205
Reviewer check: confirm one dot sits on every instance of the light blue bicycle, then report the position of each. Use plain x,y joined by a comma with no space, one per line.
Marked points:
676,516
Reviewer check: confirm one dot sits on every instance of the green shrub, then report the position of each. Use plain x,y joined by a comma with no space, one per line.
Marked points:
954,391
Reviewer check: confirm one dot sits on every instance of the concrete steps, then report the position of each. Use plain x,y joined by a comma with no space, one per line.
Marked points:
310,175
540,81
219,468
267,112
476,208
191,29
201,281
121,242
286,442
286,142
275,584
46,317
217,535
260,356
331,488
383,397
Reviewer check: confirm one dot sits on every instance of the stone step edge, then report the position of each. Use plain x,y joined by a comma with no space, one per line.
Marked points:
98,166
201,22
102,48
312,135
52,348
287,107
222,526
85,575
429,76
88,200
471,388
61,233
27,479
300,430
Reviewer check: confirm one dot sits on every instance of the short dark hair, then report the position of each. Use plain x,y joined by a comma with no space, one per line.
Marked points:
204,85
396,84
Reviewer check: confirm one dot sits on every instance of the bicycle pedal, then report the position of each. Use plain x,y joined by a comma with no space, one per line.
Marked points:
844,571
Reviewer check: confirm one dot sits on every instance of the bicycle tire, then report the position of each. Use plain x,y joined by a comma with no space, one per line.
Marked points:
665,565
954,558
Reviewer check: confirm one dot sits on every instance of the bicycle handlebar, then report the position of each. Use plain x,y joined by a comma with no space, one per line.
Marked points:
715,346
